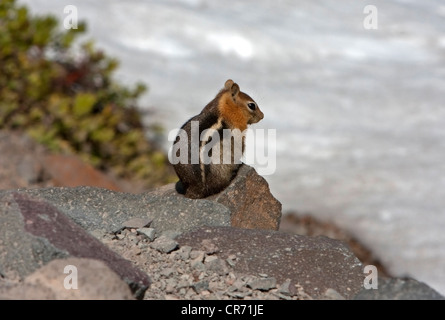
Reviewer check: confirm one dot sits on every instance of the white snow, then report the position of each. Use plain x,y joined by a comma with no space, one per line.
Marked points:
359,114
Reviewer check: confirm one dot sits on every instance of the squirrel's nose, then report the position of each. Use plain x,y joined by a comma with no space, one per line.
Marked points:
261,115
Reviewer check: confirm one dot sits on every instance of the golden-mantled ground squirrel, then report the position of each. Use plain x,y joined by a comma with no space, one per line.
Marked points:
206,167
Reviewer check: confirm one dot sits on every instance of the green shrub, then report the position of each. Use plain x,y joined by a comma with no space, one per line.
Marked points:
66,98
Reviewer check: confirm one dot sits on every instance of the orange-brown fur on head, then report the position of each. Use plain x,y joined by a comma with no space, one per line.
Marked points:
234,107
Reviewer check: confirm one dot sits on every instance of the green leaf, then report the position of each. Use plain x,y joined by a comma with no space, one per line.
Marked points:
103,135
83,104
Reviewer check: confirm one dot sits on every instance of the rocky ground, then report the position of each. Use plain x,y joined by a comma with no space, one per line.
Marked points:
188,273
157,244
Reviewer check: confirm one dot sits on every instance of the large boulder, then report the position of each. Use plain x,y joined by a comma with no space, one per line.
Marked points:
251,204
399,289
70,279
33,232
320,264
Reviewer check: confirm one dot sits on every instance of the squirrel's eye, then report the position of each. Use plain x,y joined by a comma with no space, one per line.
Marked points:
251,105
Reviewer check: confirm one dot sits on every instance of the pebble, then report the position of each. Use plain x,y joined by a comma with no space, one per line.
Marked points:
209,247
214,286
120,236
184,252
238,284
281,296
217,265
164,244
171,282
197,253
169,288
263,284
209,259
173,256
201,286
150,233
167,272
231,260
239,295
287,289
198,265
263,275
133,238
189,294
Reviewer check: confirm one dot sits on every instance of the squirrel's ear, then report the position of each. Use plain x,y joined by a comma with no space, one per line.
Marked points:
232,86
228,84
235,90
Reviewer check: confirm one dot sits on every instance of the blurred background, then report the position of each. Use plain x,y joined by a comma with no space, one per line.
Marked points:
359,113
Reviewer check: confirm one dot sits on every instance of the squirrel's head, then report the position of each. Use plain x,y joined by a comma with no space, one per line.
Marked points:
238,108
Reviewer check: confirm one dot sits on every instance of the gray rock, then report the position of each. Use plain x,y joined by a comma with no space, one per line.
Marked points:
167,272
96,208
281,296
332,294
209,247
216,265
150,233
263,284
200,286
33,233
238,285
287,288
136,223
184,252
170,288
164,244
209,259
239,295
399,289
263,275
270,296
231,261
197,254
317,263
171,282
197,264
250,201
94,281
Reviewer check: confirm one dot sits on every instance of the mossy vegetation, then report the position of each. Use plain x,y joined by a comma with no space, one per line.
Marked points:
66,98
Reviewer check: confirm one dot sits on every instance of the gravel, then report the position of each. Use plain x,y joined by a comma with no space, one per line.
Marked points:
186,274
